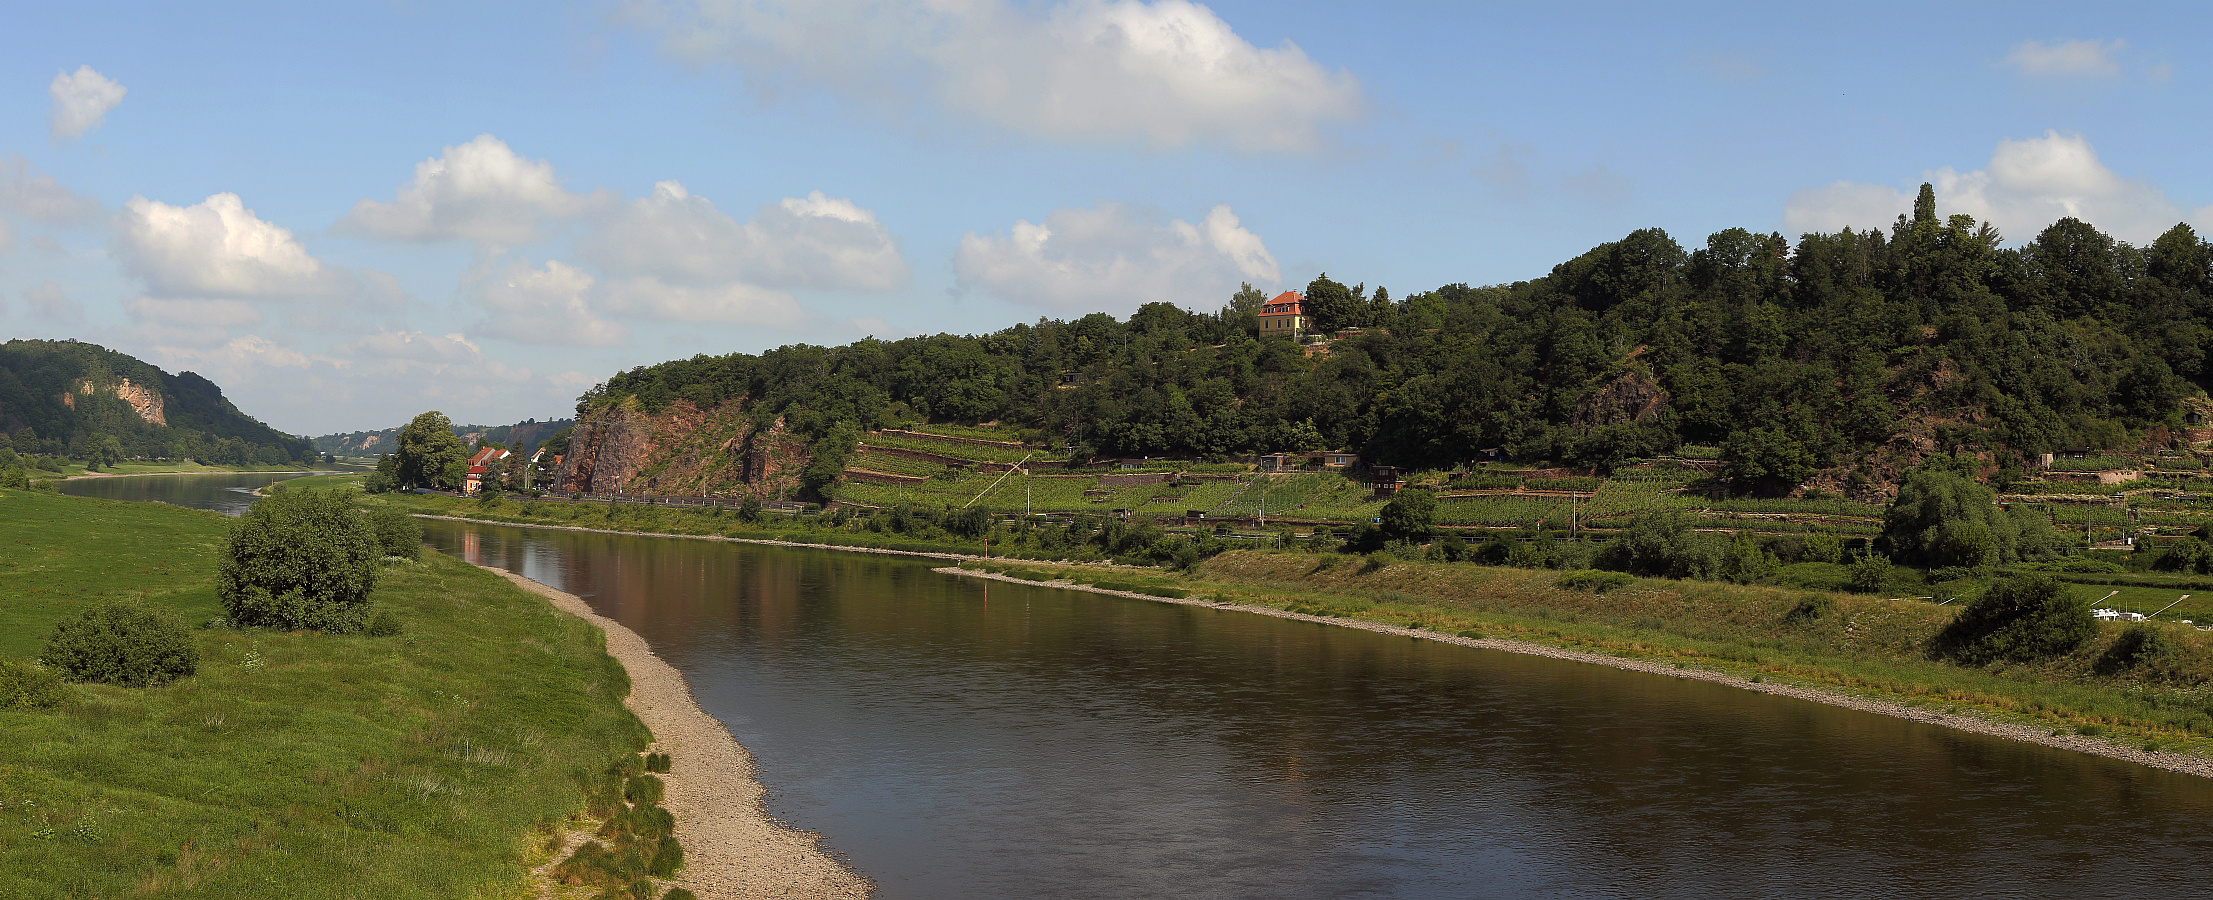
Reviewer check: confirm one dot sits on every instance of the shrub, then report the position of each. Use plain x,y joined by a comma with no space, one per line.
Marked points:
2140,647
396,532
122,642
643,789
657,762
668,856
25,685
1595,581
299,559
1810,609
677,893
1867,574
2021,619
385,624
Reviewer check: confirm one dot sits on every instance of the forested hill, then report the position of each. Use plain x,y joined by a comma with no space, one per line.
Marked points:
57,396
1835,361
522,436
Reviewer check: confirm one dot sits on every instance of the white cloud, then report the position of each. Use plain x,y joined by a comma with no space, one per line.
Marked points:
734,304
7,236
216,248
2028,184
40,198
49,304
1110,259
81,100
2068,59
544,305
1167,73
802,242
190,322
480,191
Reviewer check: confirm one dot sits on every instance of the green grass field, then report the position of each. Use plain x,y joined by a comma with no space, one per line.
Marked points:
292,765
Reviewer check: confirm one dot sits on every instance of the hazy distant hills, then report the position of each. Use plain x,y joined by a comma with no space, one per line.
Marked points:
57,395
522,435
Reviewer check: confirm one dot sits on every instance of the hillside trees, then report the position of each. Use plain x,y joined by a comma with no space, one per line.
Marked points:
1793,356
429,455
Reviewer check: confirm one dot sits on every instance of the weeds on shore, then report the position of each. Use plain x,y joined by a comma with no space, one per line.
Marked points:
636,841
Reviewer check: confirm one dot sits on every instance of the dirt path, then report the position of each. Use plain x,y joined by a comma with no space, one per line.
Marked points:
2172,762
732,849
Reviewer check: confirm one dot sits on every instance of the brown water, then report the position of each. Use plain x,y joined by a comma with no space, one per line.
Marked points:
960,738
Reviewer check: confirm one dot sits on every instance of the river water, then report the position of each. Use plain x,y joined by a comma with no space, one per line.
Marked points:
228,494
953,737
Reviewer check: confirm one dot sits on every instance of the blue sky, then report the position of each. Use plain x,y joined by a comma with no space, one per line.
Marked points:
346,215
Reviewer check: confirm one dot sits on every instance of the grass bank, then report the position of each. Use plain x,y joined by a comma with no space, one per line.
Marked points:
1855,646
432,764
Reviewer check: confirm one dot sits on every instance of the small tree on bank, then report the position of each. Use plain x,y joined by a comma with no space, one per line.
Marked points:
299,559
2021,619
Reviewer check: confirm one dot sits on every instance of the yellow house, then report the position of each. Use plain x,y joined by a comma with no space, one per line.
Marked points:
1284,316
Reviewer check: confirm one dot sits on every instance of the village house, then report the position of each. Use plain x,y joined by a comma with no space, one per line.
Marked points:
479,463
1284,316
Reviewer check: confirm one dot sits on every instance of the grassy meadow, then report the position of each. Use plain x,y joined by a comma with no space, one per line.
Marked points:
431,764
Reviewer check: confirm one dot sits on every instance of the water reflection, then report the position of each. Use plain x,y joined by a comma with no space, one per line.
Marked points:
960,738
229,494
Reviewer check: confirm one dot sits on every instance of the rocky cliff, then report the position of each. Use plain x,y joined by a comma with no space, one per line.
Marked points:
682,451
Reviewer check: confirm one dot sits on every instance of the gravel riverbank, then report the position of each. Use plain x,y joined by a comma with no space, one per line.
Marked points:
732,849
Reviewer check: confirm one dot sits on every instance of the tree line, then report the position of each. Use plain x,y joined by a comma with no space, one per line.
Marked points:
1790,357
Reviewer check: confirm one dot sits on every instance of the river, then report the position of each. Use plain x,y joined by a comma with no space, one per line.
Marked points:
954,737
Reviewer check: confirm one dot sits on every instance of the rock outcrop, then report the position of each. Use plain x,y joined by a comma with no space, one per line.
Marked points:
682,451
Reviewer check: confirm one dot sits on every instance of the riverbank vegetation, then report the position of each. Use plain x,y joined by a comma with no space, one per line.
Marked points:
434,762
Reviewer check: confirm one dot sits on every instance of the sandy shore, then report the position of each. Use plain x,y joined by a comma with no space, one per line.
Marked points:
2172,762
731,847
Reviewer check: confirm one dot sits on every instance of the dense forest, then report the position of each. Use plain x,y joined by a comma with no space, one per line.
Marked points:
1847,356
60,397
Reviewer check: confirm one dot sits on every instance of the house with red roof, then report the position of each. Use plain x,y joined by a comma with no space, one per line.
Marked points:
1284,316
479,463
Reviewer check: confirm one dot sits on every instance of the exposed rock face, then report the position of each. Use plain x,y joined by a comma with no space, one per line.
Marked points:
682,451
147,401
1629,399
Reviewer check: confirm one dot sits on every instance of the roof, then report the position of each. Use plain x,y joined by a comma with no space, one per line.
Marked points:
1284,304
487,455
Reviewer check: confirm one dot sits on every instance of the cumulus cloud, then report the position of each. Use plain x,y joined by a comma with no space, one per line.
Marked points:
2028,184
732,304
1166,73
1112,259
216,248
189,322
49,303
801,242
549,304
40,198
480,191
2068,59
81,101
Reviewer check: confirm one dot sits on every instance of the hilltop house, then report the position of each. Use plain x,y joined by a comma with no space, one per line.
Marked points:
1284,316
480,462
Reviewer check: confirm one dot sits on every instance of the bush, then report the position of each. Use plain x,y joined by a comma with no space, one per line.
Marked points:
1810,609
2021,619
677,893
26,685
122,642
2140,647
643,789
386,624
1595,581
299,559
396,533
1867,574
